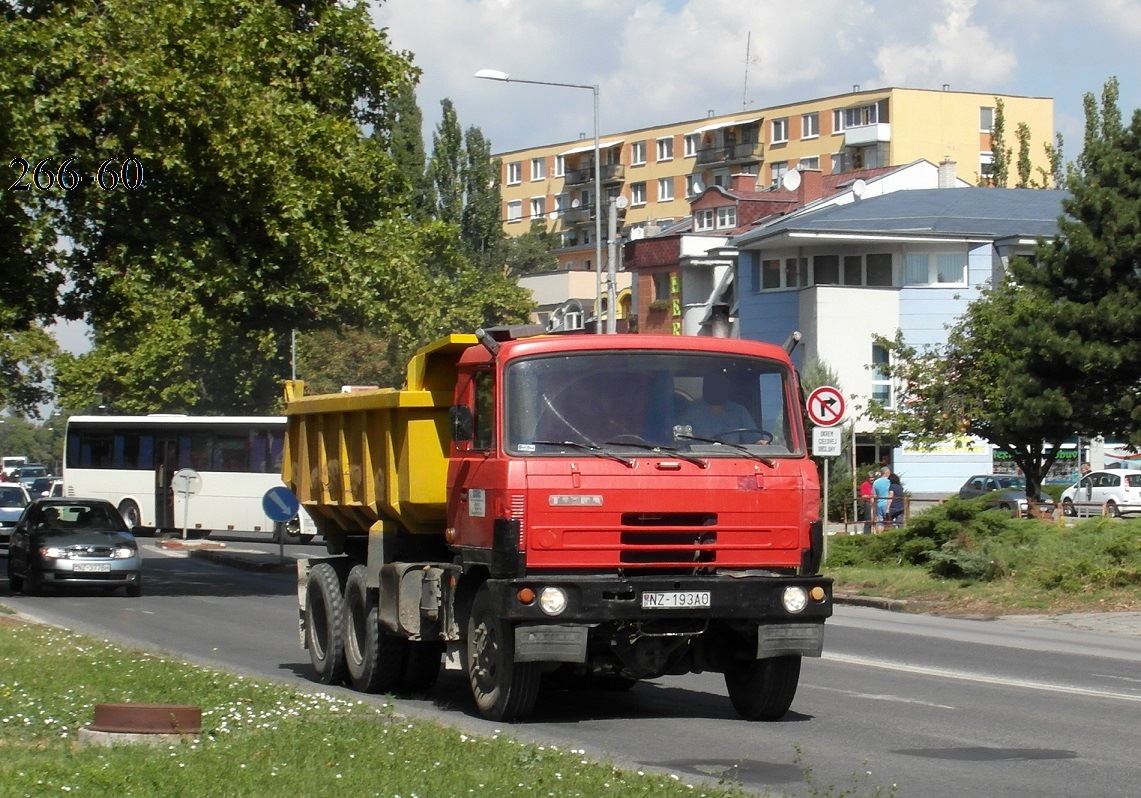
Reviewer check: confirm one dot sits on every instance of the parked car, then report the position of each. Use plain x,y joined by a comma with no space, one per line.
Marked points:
13,500
84,542
1118,492
1006,491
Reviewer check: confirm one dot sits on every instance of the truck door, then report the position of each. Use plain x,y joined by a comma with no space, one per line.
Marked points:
472,481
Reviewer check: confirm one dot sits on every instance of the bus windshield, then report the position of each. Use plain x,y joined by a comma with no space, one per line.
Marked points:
702,403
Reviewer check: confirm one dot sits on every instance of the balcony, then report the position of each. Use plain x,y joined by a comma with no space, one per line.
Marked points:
611,173
732,154
867,134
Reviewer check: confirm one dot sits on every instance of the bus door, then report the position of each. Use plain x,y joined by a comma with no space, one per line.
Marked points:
166,466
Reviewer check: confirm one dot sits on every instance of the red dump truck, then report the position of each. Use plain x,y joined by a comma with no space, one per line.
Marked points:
585,509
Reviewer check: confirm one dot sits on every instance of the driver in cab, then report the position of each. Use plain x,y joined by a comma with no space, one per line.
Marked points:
715,414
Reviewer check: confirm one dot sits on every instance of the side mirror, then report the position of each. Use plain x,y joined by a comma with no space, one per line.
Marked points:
463,424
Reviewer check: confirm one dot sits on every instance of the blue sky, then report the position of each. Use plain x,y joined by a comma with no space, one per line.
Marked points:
660,61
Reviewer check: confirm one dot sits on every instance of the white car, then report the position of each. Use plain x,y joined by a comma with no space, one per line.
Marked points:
13,500
1117,492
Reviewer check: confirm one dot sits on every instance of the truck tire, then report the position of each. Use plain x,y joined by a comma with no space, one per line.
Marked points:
504,690
423,667
375,659
763,689
324,624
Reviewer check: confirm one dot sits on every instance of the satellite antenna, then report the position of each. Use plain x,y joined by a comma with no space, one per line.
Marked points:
637,234
698,187
791,180
859,186
575,203
621,202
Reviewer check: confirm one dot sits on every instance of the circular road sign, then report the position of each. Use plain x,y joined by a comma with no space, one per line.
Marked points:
826,406
280,504
186,481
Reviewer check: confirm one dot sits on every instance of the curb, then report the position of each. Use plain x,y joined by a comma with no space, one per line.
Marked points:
253,561
895,605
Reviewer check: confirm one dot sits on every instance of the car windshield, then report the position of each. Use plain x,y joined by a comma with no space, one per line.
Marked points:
76,516
644,402
1005,483
12,497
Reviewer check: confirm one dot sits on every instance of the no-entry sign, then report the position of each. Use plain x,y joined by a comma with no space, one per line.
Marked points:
826,406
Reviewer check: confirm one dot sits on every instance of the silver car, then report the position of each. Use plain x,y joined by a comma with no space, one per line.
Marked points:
81,542
13,500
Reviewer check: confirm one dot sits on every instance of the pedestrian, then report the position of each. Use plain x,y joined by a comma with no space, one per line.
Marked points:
895,501
868,502
881,488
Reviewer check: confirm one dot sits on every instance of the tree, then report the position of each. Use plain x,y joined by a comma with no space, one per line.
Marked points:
1000,174
1022,133
1087,280
26,369
242,126
533,251
446,167
481,220
407,147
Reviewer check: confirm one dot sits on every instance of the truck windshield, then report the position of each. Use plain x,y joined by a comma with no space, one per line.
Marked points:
636,402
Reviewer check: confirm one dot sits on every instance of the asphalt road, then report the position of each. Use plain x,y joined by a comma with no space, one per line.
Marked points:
944,708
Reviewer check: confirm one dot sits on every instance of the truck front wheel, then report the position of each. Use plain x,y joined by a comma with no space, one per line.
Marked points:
375,658
503,688
763,689
324,623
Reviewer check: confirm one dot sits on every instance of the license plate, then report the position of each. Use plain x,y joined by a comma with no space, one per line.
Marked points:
676,600
91,567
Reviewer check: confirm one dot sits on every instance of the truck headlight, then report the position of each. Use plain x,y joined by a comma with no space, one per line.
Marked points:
553,600
795,599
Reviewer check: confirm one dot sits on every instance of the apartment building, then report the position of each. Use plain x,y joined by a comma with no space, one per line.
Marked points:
660,170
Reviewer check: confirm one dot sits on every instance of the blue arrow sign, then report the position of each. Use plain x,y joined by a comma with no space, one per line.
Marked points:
280,504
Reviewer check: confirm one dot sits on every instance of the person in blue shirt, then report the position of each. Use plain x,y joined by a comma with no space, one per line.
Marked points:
881,488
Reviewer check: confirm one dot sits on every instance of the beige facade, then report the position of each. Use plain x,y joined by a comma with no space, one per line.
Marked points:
659,169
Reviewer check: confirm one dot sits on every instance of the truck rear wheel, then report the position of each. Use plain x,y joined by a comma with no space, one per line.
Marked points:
503,688
324,623
375,659
763,689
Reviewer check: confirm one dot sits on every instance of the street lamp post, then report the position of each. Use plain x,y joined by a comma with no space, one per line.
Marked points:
495,74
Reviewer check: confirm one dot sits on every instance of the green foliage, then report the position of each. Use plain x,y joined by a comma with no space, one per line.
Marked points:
970,542
1001,167
25,369
533,251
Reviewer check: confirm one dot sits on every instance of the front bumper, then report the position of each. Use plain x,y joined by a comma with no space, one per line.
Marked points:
71,572
738,596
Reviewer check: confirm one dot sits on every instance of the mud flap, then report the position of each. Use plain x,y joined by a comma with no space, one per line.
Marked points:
551,643
779,640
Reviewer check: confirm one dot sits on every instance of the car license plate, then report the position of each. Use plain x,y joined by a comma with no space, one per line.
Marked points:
91,567
676,600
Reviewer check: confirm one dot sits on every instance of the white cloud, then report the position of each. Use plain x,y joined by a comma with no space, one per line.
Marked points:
955,51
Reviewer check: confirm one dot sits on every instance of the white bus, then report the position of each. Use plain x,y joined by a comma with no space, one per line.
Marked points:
131,460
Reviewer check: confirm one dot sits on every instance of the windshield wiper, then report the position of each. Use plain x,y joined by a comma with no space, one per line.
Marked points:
649,447
597,451
751,455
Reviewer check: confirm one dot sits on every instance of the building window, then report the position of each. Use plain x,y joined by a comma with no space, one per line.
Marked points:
881,377
986,166
951,268
538,168
838,120
666,149
780,130
514,210
986,119
638,193
691,184
810,163
514,173
837,163
638,153
915,268
795,272
538,207
560,166
861,116
810,126
826,270
692,141
661,286
853,270
727,216
779,170
665,189
879,269
770,274
703,220
560,204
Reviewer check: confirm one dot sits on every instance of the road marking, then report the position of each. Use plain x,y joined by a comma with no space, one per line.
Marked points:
882,697
981,678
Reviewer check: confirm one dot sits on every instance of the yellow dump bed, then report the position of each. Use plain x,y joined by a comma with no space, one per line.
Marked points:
376,459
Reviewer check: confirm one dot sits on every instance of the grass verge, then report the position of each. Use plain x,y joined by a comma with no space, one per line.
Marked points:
258,738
